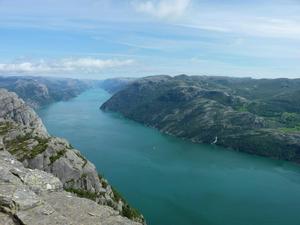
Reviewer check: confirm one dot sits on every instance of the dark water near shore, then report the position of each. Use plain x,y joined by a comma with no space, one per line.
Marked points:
174,182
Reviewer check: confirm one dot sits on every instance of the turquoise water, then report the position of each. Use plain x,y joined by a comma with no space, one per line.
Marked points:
174,182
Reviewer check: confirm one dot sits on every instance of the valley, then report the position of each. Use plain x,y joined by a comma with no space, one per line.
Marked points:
172,181
256,116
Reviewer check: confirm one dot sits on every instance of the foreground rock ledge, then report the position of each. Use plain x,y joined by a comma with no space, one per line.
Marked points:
35,197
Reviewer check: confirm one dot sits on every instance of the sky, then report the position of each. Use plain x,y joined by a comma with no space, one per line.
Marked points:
98,39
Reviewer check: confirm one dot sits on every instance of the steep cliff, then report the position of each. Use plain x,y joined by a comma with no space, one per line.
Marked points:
23,135
255,116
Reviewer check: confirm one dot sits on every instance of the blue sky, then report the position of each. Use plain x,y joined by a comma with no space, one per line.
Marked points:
113,38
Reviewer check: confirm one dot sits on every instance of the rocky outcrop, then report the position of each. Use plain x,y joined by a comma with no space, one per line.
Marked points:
34,197
232,112
12,109
23,135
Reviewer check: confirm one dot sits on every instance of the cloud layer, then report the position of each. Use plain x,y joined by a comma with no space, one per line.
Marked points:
232,37
163,8
67,65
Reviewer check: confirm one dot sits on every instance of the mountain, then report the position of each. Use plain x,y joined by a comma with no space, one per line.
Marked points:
41,175
40,91
114,85
257,116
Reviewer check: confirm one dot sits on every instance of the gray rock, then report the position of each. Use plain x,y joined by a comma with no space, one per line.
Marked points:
34,197
6,219
14,109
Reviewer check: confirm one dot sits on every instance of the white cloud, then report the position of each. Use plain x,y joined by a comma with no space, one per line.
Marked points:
273,27
163,8
94,64
67,65
205,27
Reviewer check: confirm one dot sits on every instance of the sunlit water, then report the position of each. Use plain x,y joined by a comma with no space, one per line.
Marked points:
174,182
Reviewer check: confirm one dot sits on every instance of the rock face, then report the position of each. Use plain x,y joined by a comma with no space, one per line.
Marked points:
256,116
23,135
13,109
34,197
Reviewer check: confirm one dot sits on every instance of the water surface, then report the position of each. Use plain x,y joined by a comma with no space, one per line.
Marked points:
174,182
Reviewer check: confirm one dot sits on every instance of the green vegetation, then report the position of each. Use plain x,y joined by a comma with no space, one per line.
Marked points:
104,184
130,212
83,193
102,180
19,146
290,119
39,148
117,195
242,108
5,127
58,155
127,210
84,159
83,176
71,181
290,129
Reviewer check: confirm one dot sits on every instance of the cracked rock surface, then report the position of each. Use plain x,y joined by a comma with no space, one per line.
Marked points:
35,197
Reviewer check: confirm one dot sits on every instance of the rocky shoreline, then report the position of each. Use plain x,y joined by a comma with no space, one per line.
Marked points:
237,113
26,146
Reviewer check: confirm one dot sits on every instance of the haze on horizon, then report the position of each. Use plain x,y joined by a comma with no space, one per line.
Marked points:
108,38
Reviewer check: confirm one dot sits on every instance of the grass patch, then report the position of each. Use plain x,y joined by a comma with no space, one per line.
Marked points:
58,155
127,210
242,108
100,176
82,193
70,181
130,212
117,195
5,127
290,129
19,146
102,181
41,147
84,159
104,184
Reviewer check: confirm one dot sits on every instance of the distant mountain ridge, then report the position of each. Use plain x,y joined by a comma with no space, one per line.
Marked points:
114,85
40,91
257,116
